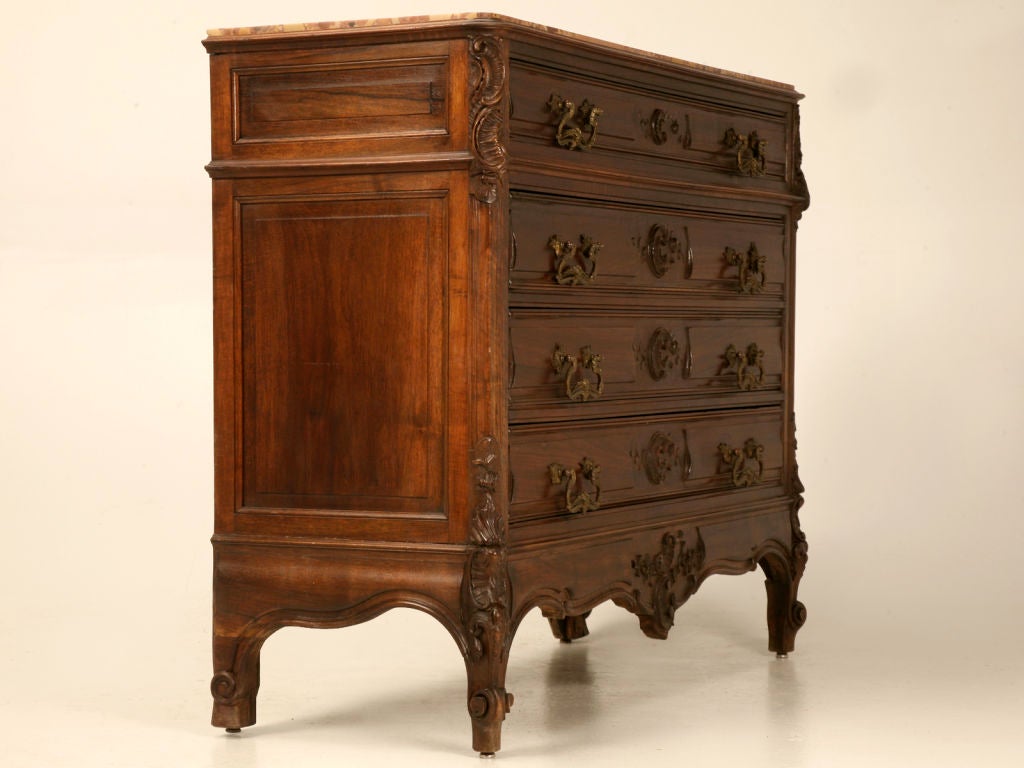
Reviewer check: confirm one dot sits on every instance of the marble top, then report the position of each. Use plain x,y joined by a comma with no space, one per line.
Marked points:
327,27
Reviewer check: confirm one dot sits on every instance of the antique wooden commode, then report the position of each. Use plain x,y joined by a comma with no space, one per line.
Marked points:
503,319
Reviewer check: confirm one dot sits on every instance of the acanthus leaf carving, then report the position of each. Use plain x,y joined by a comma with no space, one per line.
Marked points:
487,117
486,586
670,577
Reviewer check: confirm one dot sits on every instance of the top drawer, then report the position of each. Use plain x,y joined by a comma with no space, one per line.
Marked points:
575,120
383,99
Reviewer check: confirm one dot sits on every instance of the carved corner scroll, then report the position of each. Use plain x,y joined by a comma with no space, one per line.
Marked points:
575,265
751,268
799,181
751,152
488,122
582,489
661,126
486,603
577,126
487,589
746,464
670,576
573,369
799,550
747,365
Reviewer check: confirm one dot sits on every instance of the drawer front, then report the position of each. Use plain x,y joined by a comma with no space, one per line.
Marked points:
584,469
578,366
577,120
337,103
566,247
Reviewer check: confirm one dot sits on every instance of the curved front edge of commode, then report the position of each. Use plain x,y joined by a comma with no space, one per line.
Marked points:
652,572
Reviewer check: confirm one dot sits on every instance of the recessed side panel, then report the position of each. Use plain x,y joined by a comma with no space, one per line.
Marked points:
343,99
343,354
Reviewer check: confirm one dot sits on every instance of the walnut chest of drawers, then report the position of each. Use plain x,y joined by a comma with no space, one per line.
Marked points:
503,320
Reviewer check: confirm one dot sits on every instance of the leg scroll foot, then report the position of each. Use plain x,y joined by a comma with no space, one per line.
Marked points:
786,614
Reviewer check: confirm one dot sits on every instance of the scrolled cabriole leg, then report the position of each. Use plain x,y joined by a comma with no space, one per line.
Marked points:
235,683
786,614
487,629
783,571
486,606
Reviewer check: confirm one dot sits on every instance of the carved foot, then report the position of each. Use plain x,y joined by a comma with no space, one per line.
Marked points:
570,628
235,685
487,709
786,614
234,703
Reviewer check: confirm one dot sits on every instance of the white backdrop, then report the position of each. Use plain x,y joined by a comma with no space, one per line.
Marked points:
910,348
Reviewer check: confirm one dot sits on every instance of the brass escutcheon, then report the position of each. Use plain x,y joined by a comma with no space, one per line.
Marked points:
663,249
660,124
658,458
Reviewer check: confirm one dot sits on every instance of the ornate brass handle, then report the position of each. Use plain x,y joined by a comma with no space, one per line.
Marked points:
751,268
751,152
746,464
583,490
663,250
577,127
575,265
578,386
747,365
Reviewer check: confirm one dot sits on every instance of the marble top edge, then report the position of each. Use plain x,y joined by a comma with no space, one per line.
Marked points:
327,27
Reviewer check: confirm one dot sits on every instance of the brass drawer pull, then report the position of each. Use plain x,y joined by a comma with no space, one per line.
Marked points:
748,365
575,265
583,133
582,490
751,268
572,368
751,152
746,465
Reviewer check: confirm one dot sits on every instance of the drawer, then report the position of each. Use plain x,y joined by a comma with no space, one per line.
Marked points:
566,119
577,366
564,247
584,469
343,102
